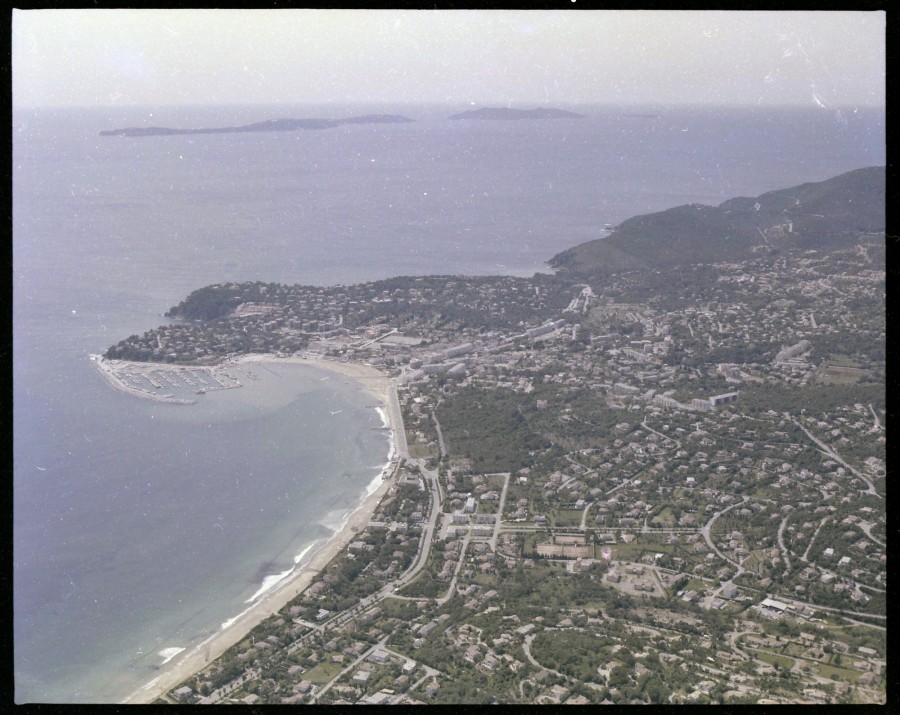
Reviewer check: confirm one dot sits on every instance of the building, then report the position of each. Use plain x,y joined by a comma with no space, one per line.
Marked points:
793,351
773,605
182,693
621,388
722,399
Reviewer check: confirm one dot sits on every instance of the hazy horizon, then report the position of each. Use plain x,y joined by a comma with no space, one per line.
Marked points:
161,57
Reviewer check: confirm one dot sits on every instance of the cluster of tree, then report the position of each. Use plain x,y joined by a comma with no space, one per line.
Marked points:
215,301
573,653
491,428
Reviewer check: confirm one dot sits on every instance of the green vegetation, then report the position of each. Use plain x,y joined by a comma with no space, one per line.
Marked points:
492,428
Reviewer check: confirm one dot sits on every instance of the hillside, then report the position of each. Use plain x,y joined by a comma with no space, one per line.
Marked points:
821,216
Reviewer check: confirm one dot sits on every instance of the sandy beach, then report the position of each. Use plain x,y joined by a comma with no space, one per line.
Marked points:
186,664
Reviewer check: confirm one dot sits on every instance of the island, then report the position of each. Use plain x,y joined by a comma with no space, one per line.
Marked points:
271,125
507,113
656,475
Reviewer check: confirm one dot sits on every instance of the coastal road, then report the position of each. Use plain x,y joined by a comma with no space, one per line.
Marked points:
431,478
396,418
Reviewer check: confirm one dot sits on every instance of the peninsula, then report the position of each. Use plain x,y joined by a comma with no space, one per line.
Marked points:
654,476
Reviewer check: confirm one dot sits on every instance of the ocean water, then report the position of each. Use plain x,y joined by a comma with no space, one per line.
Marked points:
139,527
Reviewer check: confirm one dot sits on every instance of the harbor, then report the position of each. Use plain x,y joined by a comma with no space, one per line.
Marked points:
174,384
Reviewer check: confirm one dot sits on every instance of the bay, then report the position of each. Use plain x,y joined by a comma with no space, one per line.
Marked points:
141,527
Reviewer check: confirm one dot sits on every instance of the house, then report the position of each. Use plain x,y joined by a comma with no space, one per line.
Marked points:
182,693
379,698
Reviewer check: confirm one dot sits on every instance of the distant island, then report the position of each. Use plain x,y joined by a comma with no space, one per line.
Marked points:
506,113
270,125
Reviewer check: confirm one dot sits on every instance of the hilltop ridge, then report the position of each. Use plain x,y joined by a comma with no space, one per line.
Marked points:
819,215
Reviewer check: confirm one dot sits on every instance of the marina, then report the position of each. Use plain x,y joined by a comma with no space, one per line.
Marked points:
148,380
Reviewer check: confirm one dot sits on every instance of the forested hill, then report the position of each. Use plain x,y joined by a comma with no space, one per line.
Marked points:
823,215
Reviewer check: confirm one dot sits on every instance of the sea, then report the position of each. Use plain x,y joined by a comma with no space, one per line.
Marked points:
141,528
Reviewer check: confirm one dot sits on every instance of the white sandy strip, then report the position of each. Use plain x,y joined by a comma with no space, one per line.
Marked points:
284,590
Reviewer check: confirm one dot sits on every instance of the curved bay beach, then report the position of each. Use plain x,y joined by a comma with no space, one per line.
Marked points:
191,660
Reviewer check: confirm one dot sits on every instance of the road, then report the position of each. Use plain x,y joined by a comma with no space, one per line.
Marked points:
867,529
431,479
396,418
462,557
817,607
836,457
784,551
660,434
706,535
877,421
499,520
584,514
815,534
526,648
440,435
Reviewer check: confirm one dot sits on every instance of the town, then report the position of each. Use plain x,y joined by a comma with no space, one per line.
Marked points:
613,493
621,486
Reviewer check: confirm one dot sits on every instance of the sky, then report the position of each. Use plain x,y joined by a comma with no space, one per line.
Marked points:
132,57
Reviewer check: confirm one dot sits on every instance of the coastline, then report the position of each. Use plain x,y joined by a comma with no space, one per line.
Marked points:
189,662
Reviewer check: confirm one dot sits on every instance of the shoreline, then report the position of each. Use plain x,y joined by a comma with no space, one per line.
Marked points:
188,663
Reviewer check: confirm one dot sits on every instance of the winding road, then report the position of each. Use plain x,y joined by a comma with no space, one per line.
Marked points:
706,535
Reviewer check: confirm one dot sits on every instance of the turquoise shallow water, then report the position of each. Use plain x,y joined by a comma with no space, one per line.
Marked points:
140,527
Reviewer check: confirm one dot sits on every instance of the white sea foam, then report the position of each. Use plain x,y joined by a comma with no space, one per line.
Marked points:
269,583
169,653
334,520
299,557
372,486
384,419
145,687
231,621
